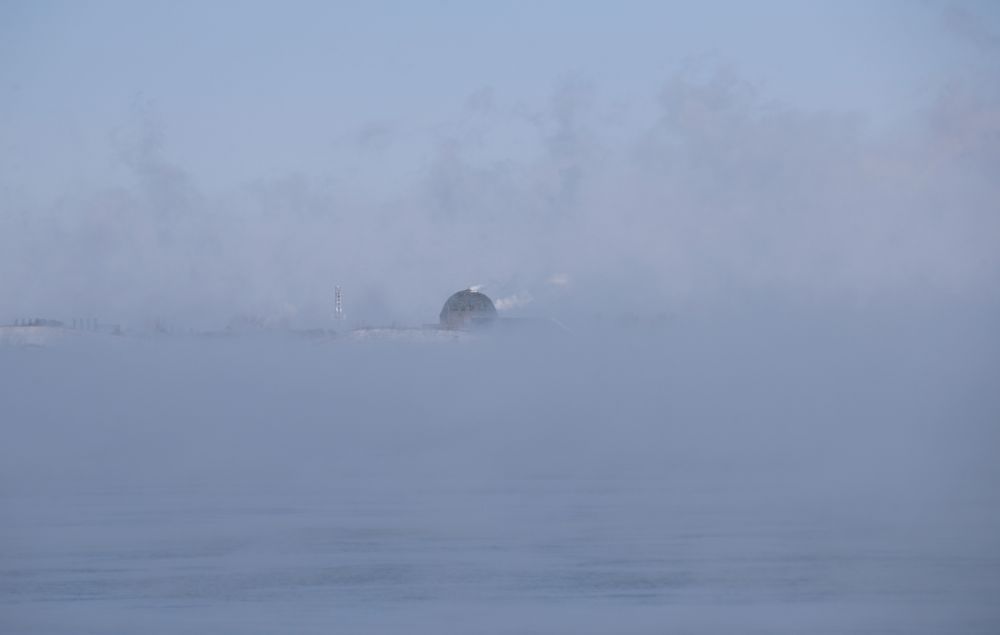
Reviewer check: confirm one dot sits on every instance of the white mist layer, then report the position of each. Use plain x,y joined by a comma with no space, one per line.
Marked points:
828,474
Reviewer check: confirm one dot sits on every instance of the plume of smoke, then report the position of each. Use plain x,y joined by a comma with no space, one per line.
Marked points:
514,301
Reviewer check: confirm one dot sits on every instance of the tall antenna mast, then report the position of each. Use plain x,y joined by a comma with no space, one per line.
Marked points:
338,303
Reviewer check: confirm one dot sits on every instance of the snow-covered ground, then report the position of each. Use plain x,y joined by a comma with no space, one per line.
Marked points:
34,335
429,334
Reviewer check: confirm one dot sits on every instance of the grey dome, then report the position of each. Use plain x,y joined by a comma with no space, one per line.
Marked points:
467,308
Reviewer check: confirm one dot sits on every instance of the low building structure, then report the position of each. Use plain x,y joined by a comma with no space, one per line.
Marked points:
467,309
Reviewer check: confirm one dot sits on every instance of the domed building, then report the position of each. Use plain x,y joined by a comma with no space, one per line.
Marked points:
467,309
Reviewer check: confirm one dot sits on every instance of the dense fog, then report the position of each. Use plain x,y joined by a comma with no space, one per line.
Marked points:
693,182
764,472
746,371
859,400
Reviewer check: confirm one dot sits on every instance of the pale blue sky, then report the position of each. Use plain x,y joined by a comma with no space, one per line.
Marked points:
247,90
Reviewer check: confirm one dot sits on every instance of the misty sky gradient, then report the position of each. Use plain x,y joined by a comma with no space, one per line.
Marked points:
192,162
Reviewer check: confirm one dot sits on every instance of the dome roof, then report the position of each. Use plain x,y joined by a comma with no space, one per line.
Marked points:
467,308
